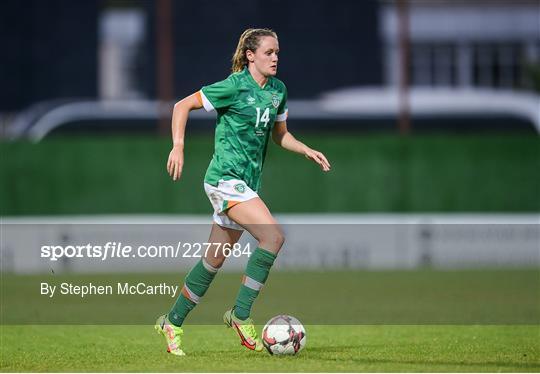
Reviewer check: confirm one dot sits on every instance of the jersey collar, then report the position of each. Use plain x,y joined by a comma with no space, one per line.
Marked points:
252,80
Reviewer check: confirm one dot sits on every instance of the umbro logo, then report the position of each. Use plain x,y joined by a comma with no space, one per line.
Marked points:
250,100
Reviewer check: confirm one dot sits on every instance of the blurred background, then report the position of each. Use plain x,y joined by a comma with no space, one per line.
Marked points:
428,109
88,90
429,112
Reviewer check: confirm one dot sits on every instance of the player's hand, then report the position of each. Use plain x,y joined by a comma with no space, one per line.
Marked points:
175,163
318,158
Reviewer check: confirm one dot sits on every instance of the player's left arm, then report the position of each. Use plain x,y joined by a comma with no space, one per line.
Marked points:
282,137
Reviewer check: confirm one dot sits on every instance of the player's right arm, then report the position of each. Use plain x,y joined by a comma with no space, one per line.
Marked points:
181,111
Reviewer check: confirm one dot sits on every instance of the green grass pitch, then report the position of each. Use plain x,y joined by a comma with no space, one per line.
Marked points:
434,321
329,349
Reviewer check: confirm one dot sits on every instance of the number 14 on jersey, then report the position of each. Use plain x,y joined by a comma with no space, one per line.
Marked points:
265,118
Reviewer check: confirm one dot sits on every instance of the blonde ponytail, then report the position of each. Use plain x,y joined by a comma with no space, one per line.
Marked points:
249,40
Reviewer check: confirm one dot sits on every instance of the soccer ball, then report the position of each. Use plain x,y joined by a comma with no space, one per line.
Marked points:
284,335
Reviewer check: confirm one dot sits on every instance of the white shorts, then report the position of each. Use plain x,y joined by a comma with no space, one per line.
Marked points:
225,195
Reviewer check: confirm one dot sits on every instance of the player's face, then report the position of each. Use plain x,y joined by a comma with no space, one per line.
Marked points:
265,58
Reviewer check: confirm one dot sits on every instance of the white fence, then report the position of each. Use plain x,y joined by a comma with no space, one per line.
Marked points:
352,103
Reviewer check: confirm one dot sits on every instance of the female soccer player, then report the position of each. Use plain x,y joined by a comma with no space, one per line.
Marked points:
251,105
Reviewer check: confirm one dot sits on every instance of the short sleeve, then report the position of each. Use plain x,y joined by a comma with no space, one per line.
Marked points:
283,110
218,95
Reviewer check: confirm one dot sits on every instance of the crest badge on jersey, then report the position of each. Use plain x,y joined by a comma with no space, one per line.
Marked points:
239,187
275,101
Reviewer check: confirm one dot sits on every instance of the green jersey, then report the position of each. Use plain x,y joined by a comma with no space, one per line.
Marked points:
245,117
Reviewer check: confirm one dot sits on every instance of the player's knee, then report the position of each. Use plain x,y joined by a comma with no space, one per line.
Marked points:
280,239
275,239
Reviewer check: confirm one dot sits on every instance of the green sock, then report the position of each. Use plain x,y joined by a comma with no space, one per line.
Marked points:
195,286
257,270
